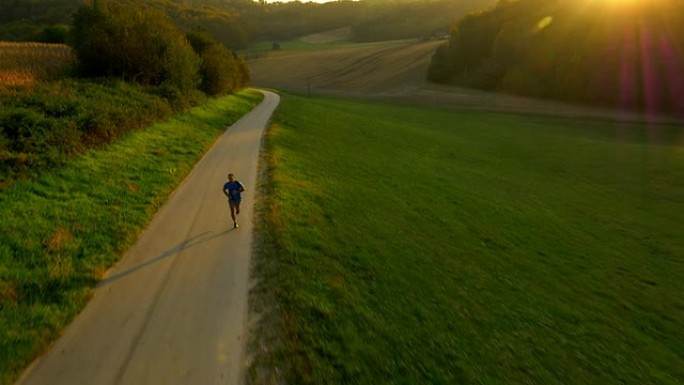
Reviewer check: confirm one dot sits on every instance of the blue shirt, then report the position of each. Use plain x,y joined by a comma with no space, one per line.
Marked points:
234,190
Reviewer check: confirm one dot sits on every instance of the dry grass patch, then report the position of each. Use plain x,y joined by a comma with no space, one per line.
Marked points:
8,292
24,63
57,242
16,78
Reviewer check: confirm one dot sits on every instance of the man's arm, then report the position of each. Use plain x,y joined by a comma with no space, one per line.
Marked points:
225,191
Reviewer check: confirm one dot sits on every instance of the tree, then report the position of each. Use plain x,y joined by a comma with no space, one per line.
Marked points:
53,34
135,43
221,71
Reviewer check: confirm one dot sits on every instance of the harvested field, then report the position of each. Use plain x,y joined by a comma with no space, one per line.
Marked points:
365,68
331,36
396,71
25,63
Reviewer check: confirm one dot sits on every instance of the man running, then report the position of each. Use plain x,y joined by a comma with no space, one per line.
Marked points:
233,190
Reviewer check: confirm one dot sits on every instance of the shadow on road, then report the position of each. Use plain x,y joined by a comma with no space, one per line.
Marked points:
190,242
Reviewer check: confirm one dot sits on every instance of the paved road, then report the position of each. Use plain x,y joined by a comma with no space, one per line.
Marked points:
174,310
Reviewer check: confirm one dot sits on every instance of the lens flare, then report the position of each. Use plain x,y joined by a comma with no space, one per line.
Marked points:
545,22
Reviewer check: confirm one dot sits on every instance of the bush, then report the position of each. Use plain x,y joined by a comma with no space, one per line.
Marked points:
56,34
439,70
24,129
219,71
222,72
487,76
134,43
43,126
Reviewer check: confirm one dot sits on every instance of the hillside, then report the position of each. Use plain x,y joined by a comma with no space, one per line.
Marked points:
362,68
240,23
396,71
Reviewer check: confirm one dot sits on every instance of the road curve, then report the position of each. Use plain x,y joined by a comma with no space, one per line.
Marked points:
174,309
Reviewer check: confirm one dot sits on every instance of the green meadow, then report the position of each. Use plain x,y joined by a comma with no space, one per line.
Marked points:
406,245
61,230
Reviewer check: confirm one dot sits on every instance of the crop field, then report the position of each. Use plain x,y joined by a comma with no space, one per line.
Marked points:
26,63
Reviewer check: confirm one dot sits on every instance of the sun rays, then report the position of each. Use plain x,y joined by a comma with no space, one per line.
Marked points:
640,37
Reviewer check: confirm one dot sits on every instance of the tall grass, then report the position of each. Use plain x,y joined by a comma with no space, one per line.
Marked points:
420,246
23,64
60,231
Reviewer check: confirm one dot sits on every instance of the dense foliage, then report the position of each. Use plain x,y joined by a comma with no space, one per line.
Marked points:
388,21
135,44
43,126
221,70
626,54
22,20
43,123
236,23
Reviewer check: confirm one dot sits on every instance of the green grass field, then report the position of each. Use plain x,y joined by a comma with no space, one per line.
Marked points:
422,246
61,231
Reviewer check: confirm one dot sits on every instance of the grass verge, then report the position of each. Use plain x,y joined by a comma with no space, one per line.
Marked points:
61,231
412,245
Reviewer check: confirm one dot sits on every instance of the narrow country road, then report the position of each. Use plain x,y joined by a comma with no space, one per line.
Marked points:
174,309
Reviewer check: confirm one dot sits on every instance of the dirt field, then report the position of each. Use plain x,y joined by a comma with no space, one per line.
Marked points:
366,68
396,72
331,36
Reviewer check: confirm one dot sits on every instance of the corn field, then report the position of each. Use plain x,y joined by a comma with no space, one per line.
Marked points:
26,63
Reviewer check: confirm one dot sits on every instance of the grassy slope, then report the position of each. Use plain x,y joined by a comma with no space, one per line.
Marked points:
60,232
425,246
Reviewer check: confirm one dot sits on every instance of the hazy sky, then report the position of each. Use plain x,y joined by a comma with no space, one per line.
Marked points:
303,1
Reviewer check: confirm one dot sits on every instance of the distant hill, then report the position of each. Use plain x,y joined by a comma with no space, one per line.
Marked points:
22,20
236,23
396,19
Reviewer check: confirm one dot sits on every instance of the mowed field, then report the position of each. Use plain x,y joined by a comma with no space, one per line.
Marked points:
414,244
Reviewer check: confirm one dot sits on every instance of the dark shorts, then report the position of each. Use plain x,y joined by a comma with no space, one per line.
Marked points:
233,203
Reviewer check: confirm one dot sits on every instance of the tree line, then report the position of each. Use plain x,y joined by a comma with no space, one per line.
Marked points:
390,20
134,66
140,44
237,23
628,55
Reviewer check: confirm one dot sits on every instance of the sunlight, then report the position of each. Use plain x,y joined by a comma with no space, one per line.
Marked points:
628,3
621,1
643,50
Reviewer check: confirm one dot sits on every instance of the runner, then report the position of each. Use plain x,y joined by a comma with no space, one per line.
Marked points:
233,191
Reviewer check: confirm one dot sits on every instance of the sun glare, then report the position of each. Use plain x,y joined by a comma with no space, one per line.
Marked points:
620,3
626,3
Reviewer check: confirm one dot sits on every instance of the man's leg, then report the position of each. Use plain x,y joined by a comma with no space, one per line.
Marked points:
232,210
